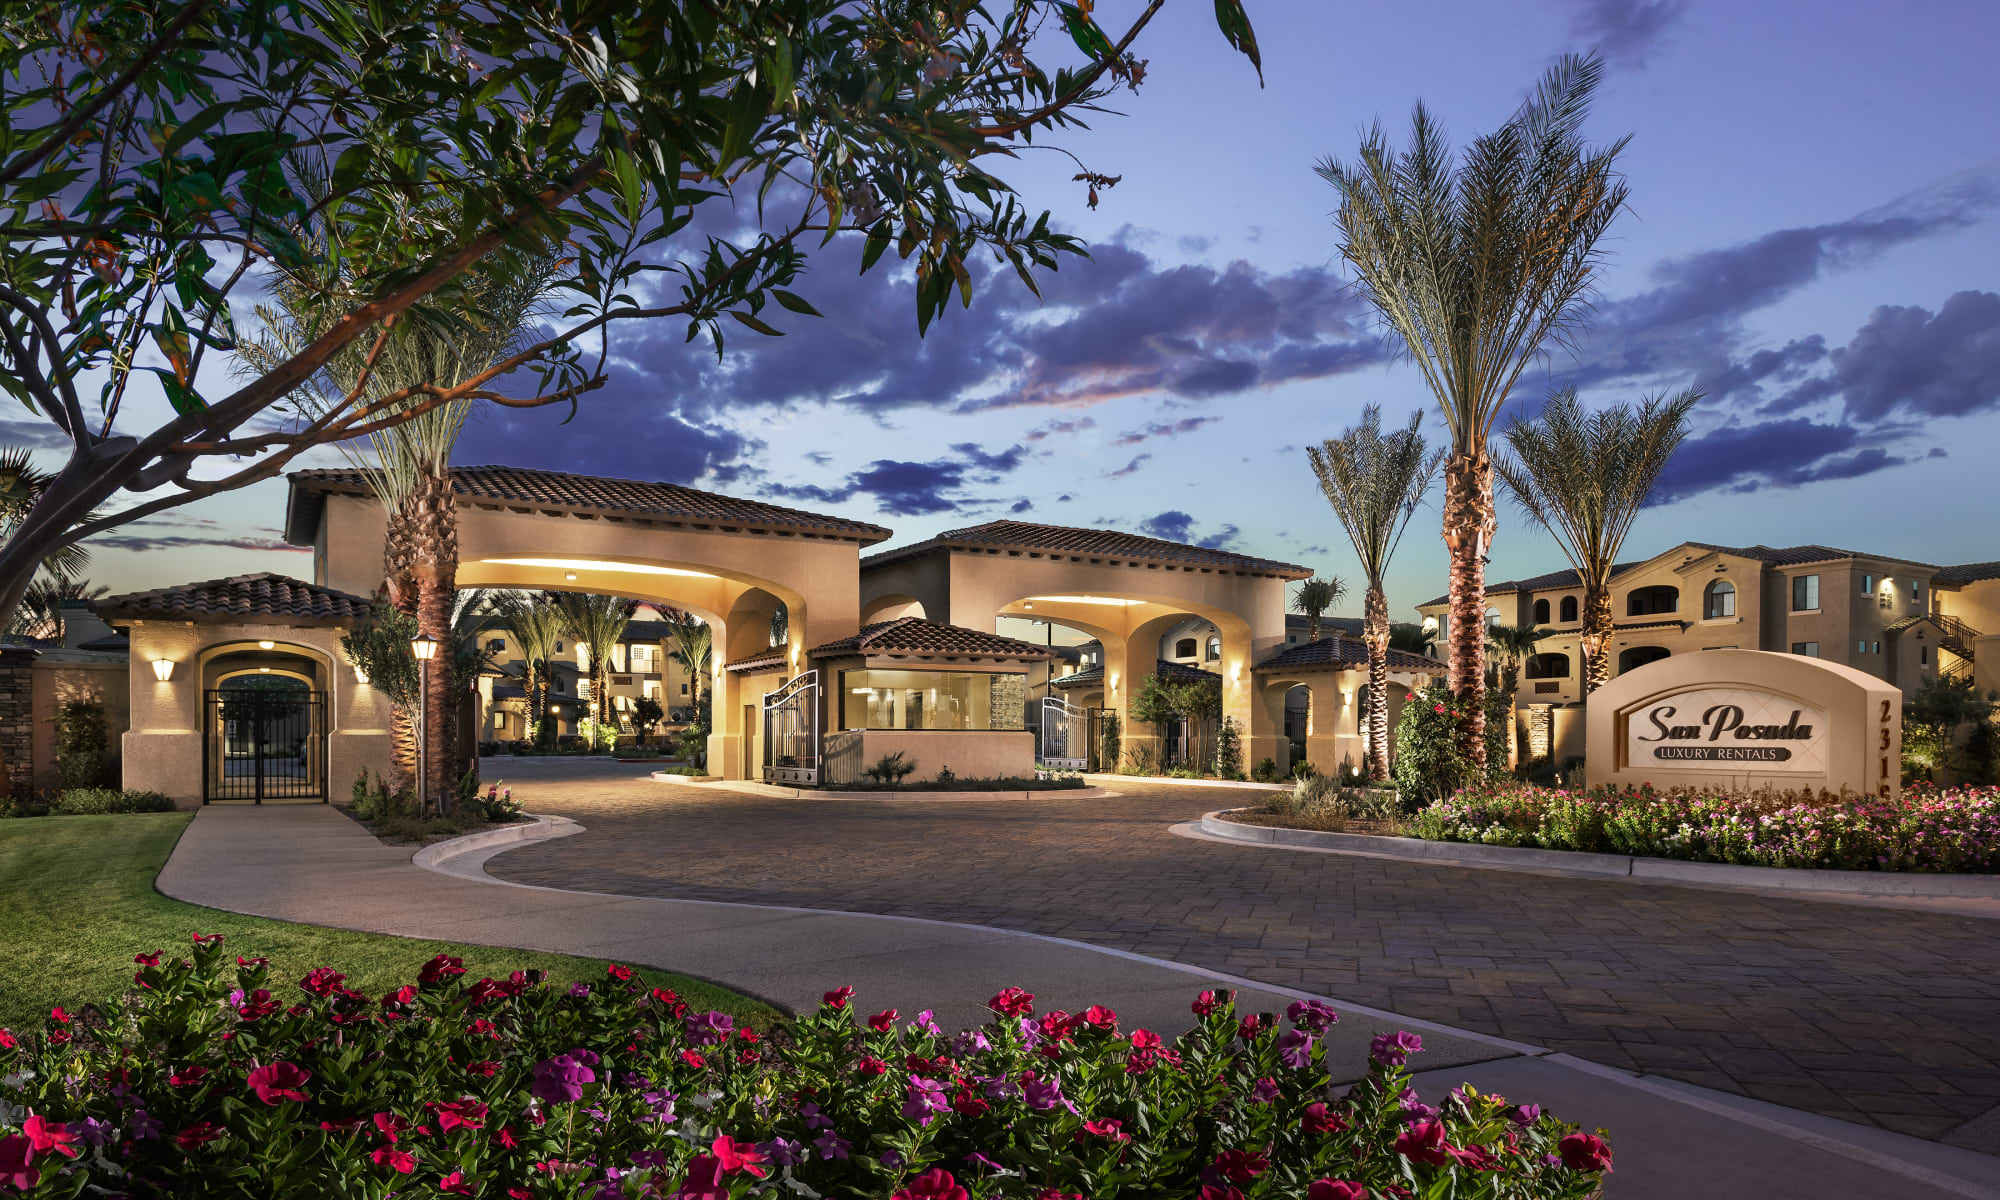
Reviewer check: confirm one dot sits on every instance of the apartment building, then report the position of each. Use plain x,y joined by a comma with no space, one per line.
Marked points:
1896,619
642,664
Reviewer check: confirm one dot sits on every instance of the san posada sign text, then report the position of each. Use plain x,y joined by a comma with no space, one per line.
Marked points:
1712,728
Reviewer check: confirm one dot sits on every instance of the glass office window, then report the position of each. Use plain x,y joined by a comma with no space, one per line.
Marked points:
931,700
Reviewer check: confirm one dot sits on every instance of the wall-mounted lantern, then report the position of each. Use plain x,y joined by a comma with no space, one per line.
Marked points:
163,669
266,644
360,673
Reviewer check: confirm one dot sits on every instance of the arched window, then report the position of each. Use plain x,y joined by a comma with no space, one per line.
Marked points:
1214,649
1568,609
1548,666
1639,656
1541,612
1719,600
1185,648
1648,601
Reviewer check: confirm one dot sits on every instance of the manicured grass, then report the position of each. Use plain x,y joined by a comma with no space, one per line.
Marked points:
77,902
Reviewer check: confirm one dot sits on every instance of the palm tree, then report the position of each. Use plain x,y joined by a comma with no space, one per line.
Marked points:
537,625
1412,638
1584,477
1374,484
408,464
598,622
1314,597
41,613
1476,262
1512,644
693,648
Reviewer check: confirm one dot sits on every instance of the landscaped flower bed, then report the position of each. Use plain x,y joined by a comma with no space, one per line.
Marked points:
1928,829
220,1080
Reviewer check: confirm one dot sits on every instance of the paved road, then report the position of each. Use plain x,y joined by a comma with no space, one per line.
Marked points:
1873,1015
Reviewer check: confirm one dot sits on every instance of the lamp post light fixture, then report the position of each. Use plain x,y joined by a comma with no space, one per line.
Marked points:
425,648
163,669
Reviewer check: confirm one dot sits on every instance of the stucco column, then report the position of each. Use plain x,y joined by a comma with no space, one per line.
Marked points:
1986,662
1119,686
1330,717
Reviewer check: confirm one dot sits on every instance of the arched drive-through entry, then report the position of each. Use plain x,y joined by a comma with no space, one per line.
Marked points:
1124,590
1334,673
732,562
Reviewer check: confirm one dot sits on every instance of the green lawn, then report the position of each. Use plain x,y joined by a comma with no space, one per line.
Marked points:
77,902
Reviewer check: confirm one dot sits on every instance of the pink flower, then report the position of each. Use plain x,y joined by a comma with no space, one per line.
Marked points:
456,1114
456,1184
838,997
883,1021
1320,1119
1239,1166
1208,1002
737,1156
1013,1002
704,1180
1107,1127
1584,1152
400,1161
1336,1189
1394,1049
1424,1142
279,1081
46,1135
1099,1017
934,1184
17,1163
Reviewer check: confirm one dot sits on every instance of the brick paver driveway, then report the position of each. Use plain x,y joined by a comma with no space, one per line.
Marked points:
1871,1014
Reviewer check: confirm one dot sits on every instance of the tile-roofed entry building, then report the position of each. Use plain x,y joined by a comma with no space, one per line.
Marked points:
733,562
239,691
1317,692
1123,589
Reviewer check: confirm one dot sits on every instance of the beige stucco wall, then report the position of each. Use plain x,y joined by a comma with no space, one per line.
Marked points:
743,576
1861,743
989,754
1976,603
57,682
162,749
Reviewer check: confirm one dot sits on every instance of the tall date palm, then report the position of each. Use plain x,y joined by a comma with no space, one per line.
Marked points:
1314,597
537,625
599,623
1584,477
1477,260
1374,483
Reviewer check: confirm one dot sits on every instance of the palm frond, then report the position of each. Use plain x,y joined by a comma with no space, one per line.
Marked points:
1375,483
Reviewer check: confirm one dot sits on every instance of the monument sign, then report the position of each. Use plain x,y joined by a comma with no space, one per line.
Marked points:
1744,719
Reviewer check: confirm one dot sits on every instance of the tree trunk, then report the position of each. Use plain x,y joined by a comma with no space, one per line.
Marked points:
434,520
402,750
1510,679
1595,638
1468,533
1375,632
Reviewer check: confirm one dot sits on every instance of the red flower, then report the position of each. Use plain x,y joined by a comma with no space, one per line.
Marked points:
737,1156
279,1081
1218,1192
704,1180
1479,1158
1099,1017
57,1015
46,1135
882,1021
693,1060
1437,707
402,995
456,1184
17,1163
838,997
485,1068
934,1184
389,1125
871,1066
1320,1119
670,1000
441,968
1145,1039
1107,1127
321,981
503,1137
467,1113
1584,1152
1424,1142
1013,1002
1336,1189
970,1103
7,1040
147,960
1208,1002
206,939
620,973
400,1161
484,1028
187,1076
200,1133
251,962
1240,1166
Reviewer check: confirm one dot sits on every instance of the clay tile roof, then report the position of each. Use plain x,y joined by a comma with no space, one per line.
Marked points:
1094,543
1565,578
1342,652
1663,623
764,660
262,598
584,493
1965,573
914,635
1171,672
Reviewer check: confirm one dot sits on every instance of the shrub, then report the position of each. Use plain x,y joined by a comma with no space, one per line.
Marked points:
1927,829
1229,750
890,768
1110,743
1499,711
1040,782
944,776
377,803
593,734
498,803
1265,771
83,754
77,802
221,1074
1144,759
1429,765
1304,770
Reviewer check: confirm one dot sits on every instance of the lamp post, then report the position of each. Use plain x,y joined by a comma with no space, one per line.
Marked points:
425,648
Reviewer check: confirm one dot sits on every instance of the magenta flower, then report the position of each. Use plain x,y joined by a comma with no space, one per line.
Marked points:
279,1081
1043,1094
1295,1049
710,1028
1311,1015
1394,1049
560,1080
923,1100
17,1163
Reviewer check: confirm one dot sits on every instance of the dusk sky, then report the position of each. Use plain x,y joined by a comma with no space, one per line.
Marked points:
1814,239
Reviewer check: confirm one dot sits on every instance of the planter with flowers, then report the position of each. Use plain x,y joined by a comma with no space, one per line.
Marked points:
218,1080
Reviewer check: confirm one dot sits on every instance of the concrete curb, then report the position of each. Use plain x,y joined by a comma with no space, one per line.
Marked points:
753,788
1573,862
537,828
1102,778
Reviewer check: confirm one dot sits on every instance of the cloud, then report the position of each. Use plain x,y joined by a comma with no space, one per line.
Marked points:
1067,426
1173,525
1130,468
1625,32
610,436
1909,361
140,543
1772,454
915,489
1167,429
1221,539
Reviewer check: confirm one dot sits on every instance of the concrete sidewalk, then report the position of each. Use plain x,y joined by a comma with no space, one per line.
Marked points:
313,865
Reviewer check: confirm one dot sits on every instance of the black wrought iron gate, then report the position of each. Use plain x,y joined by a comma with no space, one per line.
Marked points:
264,743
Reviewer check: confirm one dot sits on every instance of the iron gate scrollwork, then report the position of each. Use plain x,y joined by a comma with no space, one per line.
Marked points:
1065,735
264,744
791,731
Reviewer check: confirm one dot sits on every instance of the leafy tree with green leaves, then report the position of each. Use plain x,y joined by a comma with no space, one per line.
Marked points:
160,160
1933,715
646,713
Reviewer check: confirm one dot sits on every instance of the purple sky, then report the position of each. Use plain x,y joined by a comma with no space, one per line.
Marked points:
1813,239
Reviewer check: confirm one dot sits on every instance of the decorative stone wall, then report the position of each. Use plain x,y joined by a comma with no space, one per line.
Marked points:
1010,700
17,703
